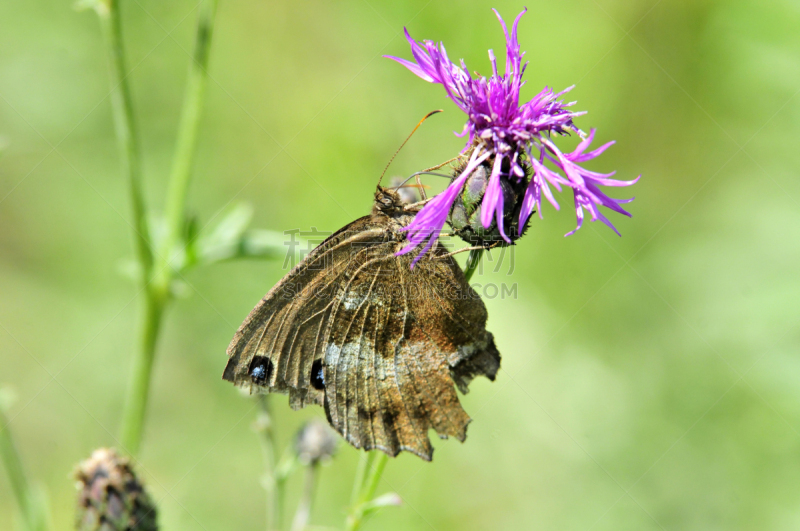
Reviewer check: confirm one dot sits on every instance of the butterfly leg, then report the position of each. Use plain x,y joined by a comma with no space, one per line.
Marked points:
445,163
465,249
421,189
415,206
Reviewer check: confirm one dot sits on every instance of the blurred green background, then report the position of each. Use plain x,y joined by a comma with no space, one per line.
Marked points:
648,382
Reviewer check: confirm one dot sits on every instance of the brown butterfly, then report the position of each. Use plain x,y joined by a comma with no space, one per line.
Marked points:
379,345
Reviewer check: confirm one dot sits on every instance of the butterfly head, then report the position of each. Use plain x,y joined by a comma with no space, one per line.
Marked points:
387,201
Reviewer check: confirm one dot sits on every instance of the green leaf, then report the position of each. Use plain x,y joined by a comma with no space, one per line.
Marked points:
224,240
231,240
191,237
100,6
390,499
264,244
232,225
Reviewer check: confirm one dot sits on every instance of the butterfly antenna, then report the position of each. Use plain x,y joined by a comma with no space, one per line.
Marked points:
405,141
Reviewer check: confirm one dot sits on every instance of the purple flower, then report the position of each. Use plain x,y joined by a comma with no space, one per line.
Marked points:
509,136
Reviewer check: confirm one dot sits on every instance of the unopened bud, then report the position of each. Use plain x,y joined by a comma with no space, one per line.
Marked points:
315,442
465,215
110,497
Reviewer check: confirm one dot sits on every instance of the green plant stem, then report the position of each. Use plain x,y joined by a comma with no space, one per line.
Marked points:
270,480
13,464
139,390
303,514
473,260
367,491
20,486
364,465
186,144
125,127
127,138
286,466
374,476
156,280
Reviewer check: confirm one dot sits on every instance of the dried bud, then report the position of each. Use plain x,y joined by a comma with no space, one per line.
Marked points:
465,214
408,193
315,442
111,498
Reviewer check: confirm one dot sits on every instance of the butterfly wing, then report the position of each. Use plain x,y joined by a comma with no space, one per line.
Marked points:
379,345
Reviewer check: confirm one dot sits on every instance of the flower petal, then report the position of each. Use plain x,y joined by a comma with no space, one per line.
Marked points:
414,67
493,195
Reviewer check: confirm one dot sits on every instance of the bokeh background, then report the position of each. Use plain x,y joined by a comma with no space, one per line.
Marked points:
648,382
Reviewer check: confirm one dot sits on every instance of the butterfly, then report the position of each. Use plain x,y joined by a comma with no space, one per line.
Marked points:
379,345
377,338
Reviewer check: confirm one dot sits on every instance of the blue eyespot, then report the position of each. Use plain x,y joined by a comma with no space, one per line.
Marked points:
260,370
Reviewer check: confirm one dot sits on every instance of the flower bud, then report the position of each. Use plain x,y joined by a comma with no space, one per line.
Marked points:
110,497
315,442
465,215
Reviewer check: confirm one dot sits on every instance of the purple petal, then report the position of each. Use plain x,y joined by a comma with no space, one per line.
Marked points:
424,60
493,195
585,143
413,67
579,215
596,153
529,200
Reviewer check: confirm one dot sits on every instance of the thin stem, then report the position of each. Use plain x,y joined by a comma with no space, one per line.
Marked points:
473,260
364,464
20,486
303,514
186,144
157,282
367,491
127,138
268,449
285,467
374,477
125,127
139,391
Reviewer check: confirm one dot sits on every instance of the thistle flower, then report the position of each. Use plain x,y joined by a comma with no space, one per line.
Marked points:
510,140
110,497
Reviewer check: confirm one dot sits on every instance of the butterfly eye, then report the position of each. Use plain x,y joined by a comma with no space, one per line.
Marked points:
317,375
260,370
